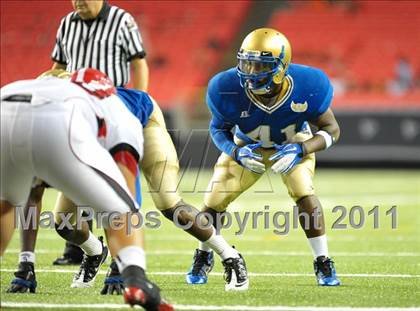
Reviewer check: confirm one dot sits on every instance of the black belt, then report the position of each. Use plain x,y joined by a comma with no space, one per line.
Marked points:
21,98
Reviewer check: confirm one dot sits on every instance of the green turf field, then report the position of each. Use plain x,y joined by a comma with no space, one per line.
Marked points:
378,267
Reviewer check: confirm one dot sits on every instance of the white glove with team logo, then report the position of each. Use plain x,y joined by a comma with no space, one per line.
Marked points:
286,157
249,159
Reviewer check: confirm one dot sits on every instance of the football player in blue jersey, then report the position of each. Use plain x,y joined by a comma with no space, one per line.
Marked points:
268,103
160,167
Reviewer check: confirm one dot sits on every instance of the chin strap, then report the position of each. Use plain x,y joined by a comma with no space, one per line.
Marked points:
261,91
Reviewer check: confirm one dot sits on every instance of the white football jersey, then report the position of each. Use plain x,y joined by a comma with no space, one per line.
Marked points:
119,125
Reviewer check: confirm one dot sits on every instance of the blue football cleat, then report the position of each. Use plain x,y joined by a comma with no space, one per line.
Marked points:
325,272
202,265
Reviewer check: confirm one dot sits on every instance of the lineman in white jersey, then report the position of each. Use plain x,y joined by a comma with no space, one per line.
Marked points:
59,131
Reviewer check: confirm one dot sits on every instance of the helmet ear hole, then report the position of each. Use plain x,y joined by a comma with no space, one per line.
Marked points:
278,78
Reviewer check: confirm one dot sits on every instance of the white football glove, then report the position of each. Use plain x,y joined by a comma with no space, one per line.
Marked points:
286,157
249,159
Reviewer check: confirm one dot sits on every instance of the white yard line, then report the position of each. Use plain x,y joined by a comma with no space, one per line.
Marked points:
251,274
202,308
257,253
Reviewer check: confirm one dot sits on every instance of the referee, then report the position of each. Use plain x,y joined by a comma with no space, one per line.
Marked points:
104,37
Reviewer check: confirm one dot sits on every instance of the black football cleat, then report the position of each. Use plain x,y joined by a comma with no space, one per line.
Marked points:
325,272
89,268
73,255
138,290
67,261
236,275
113,283
24,280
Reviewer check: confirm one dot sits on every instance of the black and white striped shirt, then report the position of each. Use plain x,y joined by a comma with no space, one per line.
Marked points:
108,43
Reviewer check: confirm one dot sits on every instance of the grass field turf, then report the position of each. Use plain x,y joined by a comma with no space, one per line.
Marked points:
378,267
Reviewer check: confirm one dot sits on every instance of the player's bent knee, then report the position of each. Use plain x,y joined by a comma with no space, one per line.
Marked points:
299,186
162,178
299,196
219,208
302,198
216,202
182,213
187,217
64,231
71,233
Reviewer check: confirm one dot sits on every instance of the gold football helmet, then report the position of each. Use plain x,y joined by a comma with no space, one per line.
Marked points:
263,59
59,73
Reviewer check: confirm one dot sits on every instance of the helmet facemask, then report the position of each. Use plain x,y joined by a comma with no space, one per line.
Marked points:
259,70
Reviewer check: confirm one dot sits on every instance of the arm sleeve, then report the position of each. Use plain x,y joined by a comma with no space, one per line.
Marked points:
132,41
58,54
221,131
222,136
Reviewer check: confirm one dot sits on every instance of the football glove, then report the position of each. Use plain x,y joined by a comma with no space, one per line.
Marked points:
24,280
113,282
246,157
286,157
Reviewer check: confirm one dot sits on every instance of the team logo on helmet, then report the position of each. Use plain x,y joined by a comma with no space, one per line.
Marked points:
263,59
95,82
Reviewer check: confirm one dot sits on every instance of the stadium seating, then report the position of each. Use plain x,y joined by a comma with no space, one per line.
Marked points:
357,43
184,40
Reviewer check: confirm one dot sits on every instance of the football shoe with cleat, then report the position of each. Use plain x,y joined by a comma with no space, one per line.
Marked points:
89,268
203,263
325,272
236,275
138,290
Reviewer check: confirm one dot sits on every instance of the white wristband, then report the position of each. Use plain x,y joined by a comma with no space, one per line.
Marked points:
327,137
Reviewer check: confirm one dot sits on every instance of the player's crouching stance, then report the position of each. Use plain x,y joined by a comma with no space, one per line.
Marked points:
53,129
160,167
269,102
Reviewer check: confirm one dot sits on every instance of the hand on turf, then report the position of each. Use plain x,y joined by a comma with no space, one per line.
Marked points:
20,287
113,282
24,280
249,159
286,157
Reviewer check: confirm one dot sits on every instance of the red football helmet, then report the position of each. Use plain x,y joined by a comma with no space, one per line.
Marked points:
95,82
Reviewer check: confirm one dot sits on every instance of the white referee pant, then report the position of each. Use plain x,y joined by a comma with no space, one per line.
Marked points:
51,141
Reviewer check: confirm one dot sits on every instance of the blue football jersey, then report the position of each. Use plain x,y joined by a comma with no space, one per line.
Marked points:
138,102
308,96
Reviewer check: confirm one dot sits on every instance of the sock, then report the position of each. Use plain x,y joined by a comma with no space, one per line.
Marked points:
204,247
92,246
319,246
131,256
27,257
221,247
